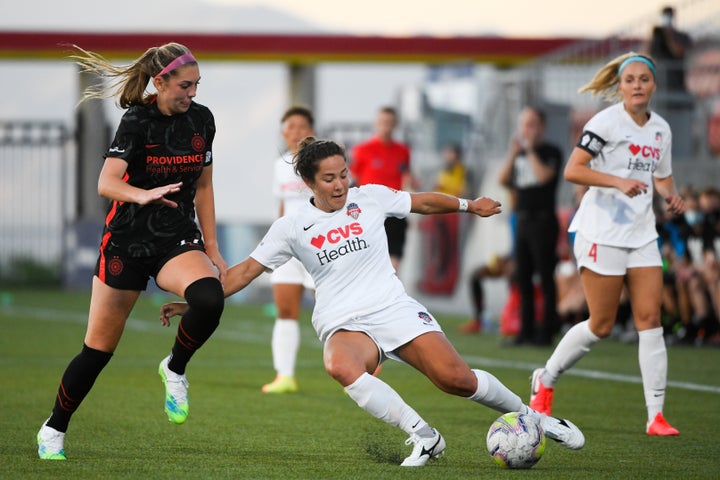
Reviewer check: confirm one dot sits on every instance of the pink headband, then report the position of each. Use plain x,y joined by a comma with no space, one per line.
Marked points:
181,60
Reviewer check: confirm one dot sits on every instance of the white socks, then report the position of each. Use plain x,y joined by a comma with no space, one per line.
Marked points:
285,344
492,393
652,357
381,401
572,347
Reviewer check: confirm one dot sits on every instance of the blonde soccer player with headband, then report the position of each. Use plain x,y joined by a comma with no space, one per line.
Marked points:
624,157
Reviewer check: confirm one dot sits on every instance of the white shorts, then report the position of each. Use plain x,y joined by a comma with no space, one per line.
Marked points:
292,272
608,260
393,326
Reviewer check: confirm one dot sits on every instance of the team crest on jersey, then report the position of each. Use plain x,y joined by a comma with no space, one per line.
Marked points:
115,266
425,317
353,210
198,143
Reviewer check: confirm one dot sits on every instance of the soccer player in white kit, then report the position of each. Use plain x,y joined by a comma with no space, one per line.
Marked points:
362,313
622,153
290,280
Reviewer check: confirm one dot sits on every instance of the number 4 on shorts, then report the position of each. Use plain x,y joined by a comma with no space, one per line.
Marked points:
593,252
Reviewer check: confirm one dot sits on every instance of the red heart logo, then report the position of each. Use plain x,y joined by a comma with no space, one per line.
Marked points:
318,241
634,149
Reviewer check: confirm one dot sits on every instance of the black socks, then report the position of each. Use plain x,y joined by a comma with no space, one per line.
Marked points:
206,300
78,379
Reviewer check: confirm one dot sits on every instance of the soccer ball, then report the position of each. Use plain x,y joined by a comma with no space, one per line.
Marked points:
516,440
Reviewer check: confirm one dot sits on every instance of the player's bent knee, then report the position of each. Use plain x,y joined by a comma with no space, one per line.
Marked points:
332,369
457,382
602,331
340,372
206,295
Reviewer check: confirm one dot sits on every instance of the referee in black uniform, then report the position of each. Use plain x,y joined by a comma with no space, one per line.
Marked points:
531,171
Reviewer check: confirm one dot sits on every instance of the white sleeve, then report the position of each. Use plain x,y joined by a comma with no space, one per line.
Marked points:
274,249
396,203
595,135
664,167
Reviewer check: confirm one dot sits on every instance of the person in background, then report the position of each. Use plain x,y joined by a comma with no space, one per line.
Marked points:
499,266
453,178
158,176
571,303
700,268
531,171
623,156
289,281
382,160
683,249
709,202
441,234
668,47
362,313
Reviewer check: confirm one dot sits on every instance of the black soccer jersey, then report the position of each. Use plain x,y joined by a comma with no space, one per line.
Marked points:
532,195
159,150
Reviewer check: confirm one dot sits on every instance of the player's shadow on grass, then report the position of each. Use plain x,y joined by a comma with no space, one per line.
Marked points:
385,447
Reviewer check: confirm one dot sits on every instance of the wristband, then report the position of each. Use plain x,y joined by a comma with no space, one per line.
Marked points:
463,205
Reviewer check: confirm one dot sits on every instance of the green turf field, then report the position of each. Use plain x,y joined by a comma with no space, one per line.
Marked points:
235,431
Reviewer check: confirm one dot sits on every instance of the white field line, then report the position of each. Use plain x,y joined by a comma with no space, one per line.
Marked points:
258,337
581,372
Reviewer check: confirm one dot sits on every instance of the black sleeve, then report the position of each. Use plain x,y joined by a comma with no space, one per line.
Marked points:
128,137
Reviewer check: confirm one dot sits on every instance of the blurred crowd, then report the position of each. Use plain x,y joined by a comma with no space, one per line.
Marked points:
690,248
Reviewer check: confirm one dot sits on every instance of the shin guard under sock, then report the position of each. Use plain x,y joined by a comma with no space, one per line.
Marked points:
206,300
78,379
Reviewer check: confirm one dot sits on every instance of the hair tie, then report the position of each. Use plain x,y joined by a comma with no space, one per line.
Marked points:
179,61
637,58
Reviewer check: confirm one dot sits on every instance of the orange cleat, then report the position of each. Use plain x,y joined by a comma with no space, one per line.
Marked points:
473,326
659,426
541,397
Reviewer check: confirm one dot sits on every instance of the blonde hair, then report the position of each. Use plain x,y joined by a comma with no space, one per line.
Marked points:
605,81
129,82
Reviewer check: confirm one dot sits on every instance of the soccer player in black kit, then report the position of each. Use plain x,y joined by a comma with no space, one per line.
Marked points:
158,176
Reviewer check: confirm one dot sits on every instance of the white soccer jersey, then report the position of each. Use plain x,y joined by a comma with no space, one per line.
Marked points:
346,253
288,187
622,148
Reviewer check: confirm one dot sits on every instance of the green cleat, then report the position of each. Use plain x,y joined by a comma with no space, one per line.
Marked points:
50,444
177,403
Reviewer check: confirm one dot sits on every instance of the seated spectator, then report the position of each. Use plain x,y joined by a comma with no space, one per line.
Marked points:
695,270
498,267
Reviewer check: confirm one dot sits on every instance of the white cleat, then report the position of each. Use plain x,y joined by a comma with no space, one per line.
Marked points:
50,443
425,449
177,403
562,431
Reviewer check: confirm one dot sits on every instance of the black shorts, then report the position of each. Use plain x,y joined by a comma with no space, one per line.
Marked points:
395,229
116,269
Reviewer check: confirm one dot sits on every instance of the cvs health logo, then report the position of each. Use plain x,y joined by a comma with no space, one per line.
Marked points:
337,235
645,151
